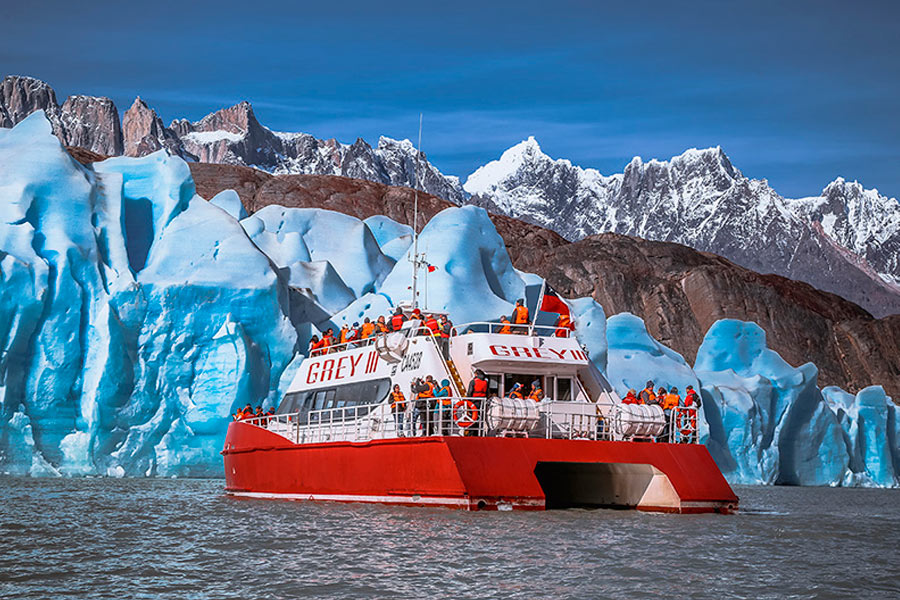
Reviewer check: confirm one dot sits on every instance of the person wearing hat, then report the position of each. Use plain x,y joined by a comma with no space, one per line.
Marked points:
443,409
630,398
647,396
515,392
537,394
520,315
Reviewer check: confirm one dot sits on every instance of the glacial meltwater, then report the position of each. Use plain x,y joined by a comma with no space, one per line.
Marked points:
155,538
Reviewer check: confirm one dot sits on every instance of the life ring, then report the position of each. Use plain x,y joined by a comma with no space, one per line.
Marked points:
686,421
465,413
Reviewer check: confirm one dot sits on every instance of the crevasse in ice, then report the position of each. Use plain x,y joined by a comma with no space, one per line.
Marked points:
135,317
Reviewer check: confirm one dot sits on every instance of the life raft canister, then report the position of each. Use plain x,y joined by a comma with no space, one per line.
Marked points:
465,413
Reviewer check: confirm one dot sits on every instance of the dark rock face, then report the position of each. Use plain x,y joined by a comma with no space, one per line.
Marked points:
20,96
92,123
678,291
144,132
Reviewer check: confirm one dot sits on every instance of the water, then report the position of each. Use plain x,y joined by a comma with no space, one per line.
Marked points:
107,538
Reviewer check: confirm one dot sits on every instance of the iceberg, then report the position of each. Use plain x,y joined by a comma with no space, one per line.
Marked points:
135,317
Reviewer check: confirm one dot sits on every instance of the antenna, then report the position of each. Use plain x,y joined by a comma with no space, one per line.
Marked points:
416,259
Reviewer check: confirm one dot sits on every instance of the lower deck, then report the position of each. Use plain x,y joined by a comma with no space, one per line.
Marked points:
475,473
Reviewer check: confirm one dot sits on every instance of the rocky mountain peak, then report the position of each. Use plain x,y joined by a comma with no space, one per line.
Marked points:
238,119
92,123
21,95
143,132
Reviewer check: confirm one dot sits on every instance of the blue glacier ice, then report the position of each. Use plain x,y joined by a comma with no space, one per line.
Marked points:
135,317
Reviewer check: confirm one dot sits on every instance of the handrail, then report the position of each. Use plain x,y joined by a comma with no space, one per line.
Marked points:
464,416
521,329
368,341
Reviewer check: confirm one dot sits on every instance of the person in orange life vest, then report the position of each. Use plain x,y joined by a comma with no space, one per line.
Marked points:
564,326
398,407
398,319
515,392
315,346
443,409
672,399
327,340
520,316
478,388
353,335
692,398
368,328
432,324
247,412
630,398
423,393
345,331
430,421
537,394
692,402
381,325
661,394
446,328
506,328
647,396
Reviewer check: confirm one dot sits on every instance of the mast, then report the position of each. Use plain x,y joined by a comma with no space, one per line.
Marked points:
416,259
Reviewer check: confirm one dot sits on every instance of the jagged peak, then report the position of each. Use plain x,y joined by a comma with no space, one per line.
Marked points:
237,118
27,80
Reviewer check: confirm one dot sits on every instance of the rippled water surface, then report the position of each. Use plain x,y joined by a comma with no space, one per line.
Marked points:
106,538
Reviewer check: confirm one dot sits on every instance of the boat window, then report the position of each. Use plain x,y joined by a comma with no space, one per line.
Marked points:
340,396
494,384
510,379
564,389
292,402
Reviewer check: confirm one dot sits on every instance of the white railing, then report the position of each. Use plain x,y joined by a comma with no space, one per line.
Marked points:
523,329
466,417
368,341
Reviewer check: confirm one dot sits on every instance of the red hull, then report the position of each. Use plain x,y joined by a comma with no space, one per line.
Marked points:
475,473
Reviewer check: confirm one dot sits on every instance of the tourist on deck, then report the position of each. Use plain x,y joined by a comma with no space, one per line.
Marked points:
381,325
345,331
515,392
647,396
661,394
315,346
564,326
691,403
398,319
353,335
368,328
630,398
327,340
443,410
247,413
424,395
446,329
398,407
536,394
520,316
669,402
505,326
692,398
431,323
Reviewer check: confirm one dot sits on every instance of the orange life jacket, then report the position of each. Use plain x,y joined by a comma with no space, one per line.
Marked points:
445,400
670,401
563,326
397,322
629,399
505,328
689,398
516,394
382,328
316,348
432,324
520,314
429,393
445,331
398,401
344,331
480,388
368,329
536,394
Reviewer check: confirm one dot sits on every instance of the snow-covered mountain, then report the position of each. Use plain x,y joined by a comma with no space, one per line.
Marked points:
231,135
845,241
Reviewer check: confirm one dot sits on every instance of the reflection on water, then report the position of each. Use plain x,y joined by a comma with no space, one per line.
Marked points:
185,539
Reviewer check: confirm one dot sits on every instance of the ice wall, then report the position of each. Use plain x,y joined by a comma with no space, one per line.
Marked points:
134,315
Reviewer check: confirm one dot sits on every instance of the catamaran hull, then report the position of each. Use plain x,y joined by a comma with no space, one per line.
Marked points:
477,473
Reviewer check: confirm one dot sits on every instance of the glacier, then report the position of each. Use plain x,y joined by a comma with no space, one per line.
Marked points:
135,317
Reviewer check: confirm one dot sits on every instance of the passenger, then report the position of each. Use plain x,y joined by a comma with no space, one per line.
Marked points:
691,398
443,411
564,326
381,325
537,394
270,412
327,341
424,395
647,396
345,331
515,392
630,398
315,346
398,407
353,335
520,316
397,319
446,330
368,328
432,324
505,325
247,413
672,400
478,389
661,394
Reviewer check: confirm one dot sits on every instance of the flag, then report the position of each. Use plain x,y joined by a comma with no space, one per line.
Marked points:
551,302
431,268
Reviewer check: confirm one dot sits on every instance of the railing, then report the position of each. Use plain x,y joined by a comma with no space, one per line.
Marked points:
523,329
467,417
370,340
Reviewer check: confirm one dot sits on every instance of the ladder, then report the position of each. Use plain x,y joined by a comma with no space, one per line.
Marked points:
451,368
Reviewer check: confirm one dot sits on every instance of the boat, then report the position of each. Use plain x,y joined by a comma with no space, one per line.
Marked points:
337,437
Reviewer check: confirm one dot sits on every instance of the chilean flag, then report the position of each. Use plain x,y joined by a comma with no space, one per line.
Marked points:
552,302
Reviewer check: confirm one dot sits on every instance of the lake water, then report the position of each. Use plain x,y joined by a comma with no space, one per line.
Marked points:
108,538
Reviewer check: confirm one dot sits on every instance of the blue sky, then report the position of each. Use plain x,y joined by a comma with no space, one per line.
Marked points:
795,92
